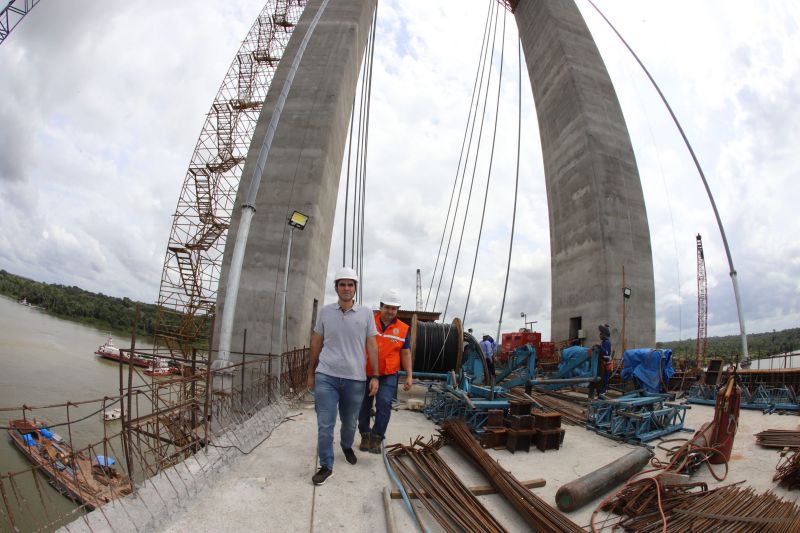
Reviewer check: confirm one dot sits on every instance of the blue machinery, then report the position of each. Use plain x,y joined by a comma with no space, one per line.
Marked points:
637,417
469,399
767,399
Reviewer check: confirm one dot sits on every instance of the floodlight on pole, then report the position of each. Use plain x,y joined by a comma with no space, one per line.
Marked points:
297,220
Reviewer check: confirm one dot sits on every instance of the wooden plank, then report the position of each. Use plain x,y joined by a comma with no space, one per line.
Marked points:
479,490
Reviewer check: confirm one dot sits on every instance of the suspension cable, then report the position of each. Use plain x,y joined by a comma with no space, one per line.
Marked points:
483,65
359,113
470,116
732,272
472,179
491,162
364,156
516,185
347,185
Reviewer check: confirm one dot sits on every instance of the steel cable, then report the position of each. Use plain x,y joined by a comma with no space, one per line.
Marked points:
516,184
461,154
491,163
472,179
483,67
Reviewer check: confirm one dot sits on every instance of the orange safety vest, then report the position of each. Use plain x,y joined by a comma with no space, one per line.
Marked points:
390,342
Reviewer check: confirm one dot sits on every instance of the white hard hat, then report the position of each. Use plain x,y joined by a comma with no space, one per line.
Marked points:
346,273
390,297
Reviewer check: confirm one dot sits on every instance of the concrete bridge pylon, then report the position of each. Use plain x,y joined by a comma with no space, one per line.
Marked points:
598,220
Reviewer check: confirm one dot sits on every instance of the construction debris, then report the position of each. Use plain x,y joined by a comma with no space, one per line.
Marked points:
788,470
537,514
652,504
424,473
778,438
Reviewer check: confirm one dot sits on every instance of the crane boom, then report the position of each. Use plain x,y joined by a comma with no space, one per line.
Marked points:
12,14
702,304
419,291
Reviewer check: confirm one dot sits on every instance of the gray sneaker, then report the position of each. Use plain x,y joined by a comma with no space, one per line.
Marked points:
322,475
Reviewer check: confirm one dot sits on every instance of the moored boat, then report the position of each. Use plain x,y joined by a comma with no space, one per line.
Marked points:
89,481
109,351
161,368
112,414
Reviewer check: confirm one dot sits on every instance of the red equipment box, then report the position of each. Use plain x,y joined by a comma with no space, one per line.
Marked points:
546,352
520,338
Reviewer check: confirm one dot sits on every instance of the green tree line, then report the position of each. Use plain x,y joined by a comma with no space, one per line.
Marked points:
730,347
73,303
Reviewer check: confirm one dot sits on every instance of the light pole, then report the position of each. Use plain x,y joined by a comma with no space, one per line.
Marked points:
525,321
296,221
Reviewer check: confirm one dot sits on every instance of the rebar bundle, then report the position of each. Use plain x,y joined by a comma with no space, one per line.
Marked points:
778,438
421,469
788,471
651,505
572,410
537,514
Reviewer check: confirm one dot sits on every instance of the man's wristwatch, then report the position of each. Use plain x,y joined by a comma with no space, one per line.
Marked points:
375,377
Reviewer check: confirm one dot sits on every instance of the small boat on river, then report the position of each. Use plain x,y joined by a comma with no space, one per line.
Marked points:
161,368
109,351
86,480
112,414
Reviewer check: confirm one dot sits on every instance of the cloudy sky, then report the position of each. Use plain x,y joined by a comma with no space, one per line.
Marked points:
103,102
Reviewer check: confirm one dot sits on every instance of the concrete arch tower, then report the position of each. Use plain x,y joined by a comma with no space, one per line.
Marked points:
598,222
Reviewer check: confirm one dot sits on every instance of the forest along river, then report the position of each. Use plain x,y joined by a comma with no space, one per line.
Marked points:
45,361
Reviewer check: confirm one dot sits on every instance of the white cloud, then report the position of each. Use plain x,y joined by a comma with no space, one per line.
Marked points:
101,113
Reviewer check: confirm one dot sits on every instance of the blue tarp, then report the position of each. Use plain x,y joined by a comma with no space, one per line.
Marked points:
102,460
649,367
568,355
46,433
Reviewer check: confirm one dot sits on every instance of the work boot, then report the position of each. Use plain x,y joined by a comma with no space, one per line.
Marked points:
375,444
366,442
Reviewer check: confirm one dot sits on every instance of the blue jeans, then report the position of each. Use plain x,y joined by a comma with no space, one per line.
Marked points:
383,406
330,392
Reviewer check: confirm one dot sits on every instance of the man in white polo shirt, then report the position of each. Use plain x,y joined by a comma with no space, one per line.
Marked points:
337,369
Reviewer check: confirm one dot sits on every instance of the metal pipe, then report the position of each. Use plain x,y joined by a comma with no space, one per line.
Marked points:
248,208
592,379
575,494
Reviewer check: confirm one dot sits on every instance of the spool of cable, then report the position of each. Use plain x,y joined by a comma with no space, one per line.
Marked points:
437,347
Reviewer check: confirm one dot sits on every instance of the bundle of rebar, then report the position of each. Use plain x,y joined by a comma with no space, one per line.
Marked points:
788,471
537,514
649,505
422,470
778,438
571,409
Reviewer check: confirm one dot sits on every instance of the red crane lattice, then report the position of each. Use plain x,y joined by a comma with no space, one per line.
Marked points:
702,304
193,262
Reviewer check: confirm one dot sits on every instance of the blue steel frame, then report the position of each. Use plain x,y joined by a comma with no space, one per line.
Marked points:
636,418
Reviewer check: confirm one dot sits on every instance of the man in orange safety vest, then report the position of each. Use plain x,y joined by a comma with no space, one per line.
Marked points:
394,349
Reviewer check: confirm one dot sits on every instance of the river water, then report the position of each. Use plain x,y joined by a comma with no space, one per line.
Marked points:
45,361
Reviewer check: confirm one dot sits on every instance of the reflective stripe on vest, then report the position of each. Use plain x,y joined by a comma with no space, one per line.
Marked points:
390,342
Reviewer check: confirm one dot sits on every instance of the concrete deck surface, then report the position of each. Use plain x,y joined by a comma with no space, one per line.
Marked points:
270,489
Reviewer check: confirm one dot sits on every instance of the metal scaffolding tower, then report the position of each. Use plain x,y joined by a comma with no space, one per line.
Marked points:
193,261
